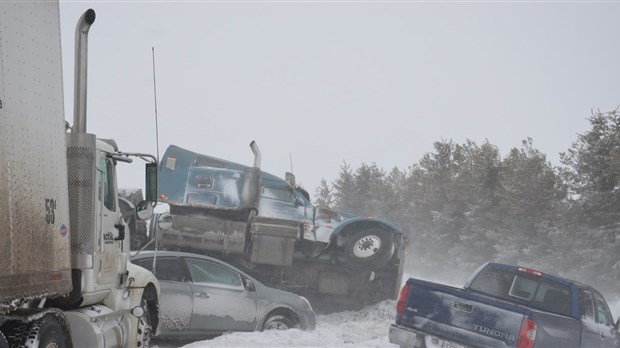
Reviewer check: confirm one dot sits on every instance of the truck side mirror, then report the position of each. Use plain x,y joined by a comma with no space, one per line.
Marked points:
164,221
151,182
290,180
144,210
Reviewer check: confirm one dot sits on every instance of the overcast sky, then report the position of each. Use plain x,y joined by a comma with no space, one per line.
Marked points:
328,82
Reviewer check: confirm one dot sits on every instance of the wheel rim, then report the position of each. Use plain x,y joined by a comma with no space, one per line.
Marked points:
144,328
276,325
367,246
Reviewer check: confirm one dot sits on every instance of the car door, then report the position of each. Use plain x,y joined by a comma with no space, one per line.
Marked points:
176,302
221,301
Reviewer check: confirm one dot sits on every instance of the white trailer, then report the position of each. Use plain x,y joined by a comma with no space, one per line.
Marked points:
65,275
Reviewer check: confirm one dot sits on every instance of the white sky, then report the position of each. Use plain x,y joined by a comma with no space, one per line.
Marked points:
333,81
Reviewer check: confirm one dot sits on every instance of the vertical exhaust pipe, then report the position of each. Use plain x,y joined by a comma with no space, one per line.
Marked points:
256,152
251,182
81,70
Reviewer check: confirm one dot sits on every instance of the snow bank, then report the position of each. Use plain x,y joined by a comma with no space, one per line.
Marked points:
367,328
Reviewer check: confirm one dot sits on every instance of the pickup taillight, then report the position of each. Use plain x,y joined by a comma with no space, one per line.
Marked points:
401,304
527,334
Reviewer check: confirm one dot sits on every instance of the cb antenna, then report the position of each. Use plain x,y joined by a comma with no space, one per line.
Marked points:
155,94
290,155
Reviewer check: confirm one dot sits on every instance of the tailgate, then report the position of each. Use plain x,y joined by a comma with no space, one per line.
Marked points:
461,316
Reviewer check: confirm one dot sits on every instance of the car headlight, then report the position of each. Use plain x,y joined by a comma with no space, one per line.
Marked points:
306,303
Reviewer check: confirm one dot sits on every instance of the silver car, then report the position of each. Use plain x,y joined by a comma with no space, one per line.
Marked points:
202,296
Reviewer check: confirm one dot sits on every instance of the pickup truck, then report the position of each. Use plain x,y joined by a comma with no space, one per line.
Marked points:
503,306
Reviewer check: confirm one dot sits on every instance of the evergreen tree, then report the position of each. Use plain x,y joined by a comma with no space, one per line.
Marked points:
344,190
532,198
324,196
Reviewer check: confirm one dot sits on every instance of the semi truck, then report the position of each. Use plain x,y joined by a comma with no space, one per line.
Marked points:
65,275
269,227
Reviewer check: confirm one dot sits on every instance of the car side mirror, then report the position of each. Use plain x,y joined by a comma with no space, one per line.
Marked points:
617,324
249,285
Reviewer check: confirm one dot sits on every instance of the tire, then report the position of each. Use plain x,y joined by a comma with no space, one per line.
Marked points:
3,342
278,322
145,327
46,332
371,248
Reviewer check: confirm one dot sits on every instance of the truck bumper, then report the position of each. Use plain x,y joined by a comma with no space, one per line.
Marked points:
403,337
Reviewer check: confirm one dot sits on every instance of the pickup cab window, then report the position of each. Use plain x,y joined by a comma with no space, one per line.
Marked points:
523,288
602,312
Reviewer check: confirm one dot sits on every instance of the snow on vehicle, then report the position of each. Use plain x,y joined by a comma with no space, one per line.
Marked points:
65,275
268,227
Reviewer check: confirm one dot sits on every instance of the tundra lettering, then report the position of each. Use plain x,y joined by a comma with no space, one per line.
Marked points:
494,333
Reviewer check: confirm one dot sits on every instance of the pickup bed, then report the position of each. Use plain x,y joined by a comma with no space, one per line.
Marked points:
503,306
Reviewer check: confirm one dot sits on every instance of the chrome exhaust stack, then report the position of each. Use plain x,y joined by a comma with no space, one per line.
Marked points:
256,152
251,182
81,70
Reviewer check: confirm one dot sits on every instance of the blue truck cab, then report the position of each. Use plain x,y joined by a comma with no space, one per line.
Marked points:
261,222
503,306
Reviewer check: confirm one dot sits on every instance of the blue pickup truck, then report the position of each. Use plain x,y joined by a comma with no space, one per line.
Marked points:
503,306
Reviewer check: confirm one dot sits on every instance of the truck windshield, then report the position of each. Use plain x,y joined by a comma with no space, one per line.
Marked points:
523,288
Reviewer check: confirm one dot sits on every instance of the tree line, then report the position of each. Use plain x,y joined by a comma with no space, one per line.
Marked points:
464,204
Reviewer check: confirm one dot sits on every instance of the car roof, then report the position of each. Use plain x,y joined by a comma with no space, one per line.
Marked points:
151,253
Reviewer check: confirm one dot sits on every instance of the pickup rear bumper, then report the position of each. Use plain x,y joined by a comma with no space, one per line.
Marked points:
410,338
403,336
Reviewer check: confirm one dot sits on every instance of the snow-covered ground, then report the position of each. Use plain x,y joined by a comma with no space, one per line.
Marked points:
367,328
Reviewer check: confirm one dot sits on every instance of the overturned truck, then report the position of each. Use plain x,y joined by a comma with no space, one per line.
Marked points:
269,227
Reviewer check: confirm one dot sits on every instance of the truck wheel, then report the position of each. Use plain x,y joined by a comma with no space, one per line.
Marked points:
145,327
372,248
3,341
278,322
46,332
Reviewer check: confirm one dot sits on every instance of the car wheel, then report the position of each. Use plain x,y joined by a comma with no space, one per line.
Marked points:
278,322
372,248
